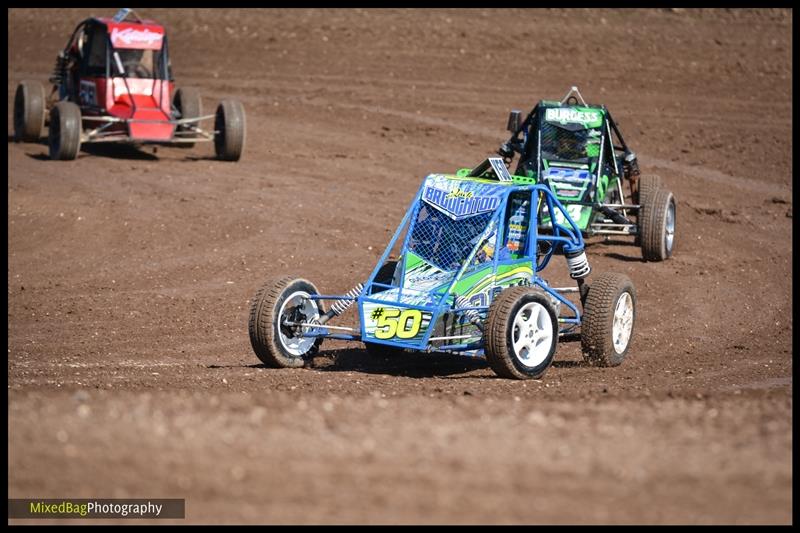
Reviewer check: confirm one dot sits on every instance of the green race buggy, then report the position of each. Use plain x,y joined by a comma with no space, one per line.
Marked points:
578,152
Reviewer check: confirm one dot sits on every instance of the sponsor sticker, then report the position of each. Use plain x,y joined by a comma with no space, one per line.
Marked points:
88,93
567,174
121,14
500,169
459,204
565,114
135,38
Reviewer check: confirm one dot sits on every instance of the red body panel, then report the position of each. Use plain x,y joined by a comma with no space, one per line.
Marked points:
150,131
159,92
148,100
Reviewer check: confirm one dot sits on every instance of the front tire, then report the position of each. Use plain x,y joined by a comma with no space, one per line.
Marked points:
64,138
608,319
189,104
658,226
521,333
275,344
29,111
229,125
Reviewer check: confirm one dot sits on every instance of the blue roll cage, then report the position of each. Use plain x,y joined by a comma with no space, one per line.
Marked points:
564,239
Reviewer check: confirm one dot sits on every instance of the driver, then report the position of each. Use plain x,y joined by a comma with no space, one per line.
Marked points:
137,64
485,252
569,147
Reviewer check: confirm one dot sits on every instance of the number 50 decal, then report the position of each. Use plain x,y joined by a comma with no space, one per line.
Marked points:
393,323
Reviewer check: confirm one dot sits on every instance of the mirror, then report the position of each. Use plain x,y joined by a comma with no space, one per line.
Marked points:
514,120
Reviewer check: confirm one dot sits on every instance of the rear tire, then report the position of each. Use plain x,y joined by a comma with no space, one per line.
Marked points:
608,319
521,333
276,345
648,184
65,131
29,111
229,124
385,275
188,102
658,226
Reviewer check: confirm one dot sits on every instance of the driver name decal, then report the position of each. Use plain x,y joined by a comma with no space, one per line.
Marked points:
560,114
457,204
133,38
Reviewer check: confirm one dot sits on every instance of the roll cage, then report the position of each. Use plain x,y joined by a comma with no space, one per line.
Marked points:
525,139
90,53
540,248
614,159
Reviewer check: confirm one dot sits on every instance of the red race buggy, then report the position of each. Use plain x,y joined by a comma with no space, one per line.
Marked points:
113,83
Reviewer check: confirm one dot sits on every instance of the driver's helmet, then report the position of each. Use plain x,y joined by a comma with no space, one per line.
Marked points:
130,55
485,252
132,60
569,147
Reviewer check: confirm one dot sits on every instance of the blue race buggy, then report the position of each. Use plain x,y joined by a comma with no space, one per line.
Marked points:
466,278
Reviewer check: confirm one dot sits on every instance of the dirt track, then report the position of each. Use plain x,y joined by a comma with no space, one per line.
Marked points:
130,273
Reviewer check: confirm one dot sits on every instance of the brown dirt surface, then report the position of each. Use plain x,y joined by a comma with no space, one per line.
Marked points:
130,372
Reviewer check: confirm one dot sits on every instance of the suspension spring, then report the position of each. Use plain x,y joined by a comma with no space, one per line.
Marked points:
59,72
341,305
630,165
578,264
472,315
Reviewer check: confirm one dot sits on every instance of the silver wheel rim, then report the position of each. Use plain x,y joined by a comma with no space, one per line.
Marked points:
623,322
297,346
533,334
669,227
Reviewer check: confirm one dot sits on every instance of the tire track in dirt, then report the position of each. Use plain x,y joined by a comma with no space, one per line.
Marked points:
715,176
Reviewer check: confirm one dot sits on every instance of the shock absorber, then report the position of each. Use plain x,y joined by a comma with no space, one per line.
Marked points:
472,315
630,168
578,264
578,270
631,164
342,304
59,72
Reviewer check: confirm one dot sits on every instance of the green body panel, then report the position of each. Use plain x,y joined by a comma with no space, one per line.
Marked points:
482,280
479,288
517,180
412,260
581,215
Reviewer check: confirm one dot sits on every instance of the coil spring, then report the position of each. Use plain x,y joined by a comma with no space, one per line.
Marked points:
630,165
60,69
472,315
341,305
578,265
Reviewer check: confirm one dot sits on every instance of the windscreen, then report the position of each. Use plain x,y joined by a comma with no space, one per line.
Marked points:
574,146
444,241
139,63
